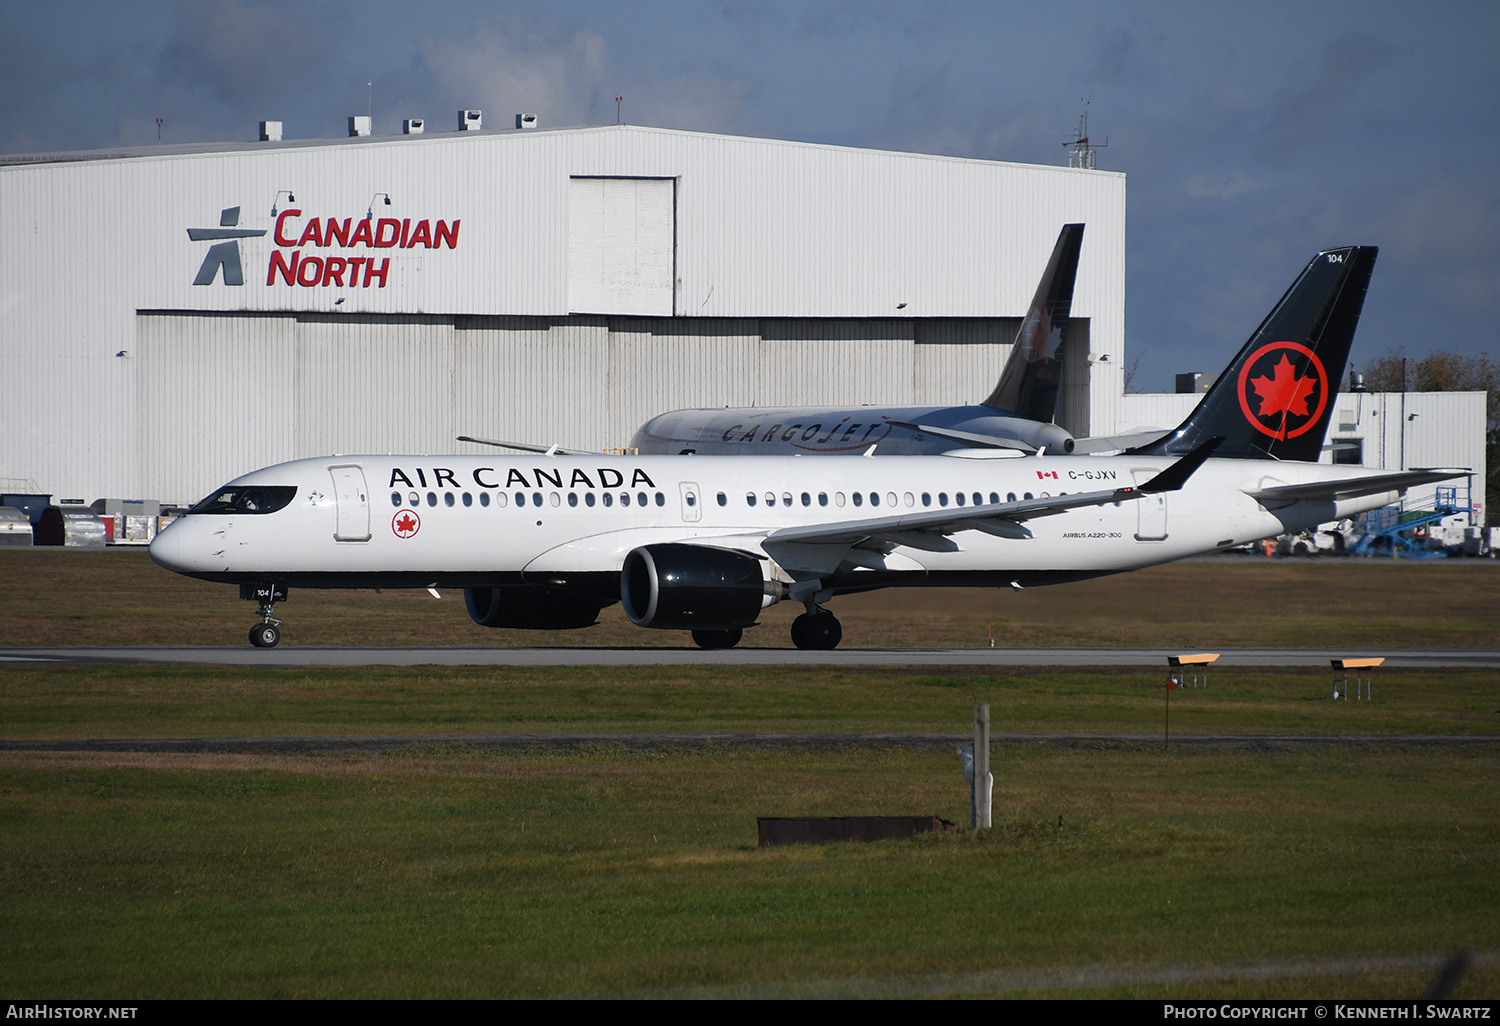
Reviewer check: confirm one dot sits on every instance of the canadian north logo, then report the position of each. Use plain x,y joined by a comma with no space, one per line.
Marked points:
1283,389
320,251
226,253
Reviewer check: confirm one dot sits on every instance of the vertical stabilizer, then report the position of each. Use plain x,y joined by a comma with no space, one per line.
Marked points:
1032,377
1276,398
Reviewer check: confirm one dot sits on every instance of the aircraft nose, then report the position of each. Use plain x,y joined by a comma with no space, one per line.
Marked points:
166,548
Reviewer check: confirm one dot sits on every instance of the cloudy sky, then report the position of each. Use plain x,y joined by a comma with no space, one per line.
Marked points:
1253,133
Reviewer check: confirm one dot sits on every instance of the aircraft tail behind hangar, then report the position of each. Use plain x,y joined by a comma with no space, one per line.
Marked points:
1032,376
1275,399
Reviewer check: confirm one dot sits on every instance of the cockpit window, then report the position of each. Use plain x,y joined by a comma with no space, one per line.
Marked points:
254,499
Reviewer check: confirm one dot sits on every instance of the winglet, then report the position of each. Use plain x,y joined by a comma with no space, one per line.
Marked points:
1175,476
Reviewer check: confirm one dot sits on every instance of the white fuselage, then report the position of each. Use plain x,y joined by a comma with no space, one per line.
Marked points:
485,521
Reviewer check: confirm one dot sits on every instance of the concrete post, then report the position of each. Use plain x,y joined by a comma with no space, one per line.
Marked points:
984,783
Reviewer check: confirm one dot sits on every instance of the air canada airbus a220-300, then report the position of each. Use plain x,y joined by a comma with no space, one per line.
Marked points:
705,543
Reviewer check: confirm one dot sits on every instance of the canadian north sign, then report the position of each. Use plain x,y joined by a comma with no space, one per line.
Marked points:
316,252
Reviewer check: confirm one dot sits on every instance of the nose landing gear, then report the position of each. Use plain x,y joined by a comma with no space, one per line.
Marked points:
267,633
817,629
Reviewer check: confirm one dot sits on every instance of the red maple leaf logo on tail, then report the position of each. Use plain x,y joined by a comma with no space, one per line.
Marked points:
1284,393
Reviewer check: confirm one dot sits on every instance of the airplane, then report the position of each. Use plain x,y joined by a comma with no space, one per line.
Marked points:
705,543
1018,413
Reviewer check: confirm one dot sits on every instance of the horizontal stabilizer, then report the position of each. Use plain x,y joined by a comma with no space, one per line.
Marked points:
1115,443
1354,487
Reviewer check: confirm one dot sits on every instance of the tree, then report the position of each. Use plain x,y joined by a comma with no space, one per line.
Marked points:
1450,372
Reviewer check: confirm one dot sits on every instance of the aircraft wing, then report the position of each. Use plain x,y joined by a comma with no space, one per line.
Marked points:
1354,487
907,528
547,450
968,437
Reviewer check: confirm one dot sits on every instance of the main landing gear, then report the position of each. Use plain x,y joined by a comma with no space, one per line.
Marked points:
817,629
267,633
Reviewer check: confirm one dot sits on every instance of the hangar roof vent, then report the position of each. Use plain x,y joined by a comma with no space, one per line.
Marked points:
270,131
470,120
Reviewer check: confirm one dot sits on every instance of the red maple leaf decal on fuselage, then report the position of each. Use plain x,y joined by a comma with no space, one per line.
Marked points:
1284,393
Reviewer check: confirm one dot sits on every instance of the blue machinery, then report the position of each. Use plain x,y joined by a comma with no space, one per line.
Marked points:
1398,529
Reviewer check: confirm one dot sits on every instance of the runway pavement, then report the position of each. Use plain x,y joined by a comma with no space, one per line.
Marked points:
307,657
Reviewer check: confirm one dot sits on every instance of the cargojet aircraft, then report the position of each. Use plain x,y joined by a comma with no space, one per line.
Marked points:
705,543
1018,414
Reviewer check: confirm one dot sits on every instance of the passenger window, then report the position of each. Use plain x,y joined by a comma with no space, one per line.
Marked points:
750,498
942,498
396,499
413,499
609,500
448,499
640,498
770,498
838,498
624,498
978,499
890,498
909,499
484,498
432,498
661,500
822,498
554,498
1029,495
786,499
1010,496
927,498
520,499
572,498
806,499
692,500
723,499
536,498
859,499
588,498
874,498
958,498
994,498
501,499
468,499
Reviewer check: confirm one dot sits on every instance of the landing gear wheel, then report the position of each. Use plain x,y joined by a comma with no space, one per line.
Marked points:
265,635
817,631
718,639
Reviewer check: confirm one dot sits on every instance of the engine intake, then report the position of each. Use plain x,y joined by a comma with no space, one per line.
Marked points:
530,607
692,587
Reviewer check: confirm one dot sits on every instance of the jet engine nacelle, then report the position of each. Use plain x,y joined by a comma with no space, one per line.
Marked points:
692,587
530,607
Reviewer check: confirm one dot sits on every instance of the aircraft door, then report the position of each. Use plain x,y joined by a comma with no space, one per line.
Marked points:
353,503
1151,511
692,502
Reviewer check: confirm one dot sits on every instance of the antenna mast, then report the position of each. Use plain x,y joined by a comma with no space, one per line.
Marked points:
1081,154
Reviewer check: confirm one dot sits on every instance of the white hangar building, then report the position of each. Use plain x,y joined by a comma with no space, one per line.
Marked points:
171,317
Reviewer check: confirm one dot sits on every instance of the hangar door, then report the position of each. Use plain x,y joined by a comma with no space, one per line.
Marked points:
621,245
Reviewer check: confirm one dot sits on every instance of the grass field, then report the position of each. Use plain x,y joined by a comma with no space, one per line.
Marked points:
60,597
443,871
438,872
